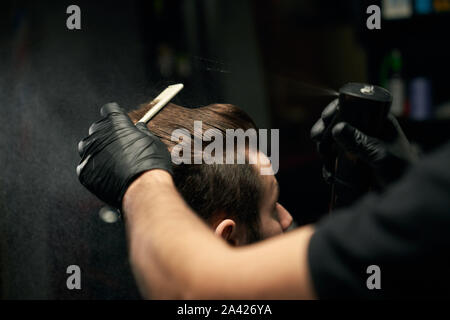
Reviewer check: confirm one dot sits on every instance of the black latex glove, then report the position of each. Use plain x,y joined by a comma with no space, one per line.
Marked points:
388,156
116,152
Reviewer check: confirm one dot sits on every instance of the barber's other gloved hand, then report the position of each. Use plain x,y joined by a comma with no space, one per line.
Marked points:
388,155
116,152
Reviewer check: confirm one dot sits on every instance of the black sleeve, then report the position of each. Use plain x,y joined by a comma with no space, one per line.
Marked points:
405,232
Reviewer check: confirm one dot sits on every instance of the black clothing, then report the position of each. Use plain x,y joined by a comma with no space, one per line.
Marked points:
405,231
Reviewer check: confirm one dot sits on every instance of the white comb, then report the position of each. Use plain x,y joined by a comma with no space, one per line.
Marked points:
161,101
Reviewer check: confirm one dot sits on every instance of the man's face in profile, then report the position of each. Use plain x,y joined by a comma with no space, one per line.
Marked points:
274,219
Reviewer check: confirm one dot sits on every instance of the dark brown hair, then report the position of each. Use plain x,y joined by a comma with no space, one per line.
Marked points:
214,191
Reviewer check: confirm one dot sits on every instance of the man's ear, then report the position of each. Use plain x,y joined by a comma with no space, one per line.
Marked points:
227,230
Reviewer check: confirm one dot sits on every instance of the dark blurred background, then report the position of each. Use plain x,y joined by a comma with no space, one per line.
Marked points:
275,59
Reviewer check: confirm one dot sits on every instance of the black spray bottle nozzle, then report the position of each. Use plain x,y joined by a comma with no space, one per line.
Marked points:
364,106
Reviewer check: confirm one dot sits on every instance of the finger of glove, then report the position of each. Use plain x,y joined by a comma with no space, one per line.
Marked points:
326,118
85,145
330,112
114,119
156,141
82,146
98,125
101,128
368,149
81,166
143,128
317,130
325,147
155,150
97,129
321,130
114,114
87,177
110,108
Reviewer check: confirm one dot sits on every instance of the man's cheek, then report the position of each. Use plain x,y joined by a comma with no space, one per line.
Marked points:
272,230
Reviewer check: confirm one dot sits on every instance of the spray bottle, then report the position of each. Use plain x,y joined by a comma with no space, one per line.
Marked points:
365,107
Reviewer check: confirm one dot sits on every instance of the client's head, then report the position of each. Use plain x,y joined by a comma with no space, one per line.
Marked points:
239,203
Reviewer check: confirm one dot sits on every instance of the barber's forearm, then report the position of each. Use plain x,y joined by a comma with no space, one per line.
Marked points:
158,220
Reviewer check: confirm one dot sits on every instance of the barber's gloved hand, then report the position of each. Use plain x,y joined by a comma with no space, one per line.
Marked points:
116,152
321,134
388,155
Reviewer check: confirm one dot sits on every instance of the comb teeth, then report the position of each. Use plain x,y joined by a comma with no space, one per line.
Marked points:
161,101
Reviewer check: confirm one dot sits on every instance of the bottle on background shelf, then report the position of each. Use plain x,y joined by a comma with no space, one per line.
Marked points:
391,79
423,6
441,6
396,9
420,97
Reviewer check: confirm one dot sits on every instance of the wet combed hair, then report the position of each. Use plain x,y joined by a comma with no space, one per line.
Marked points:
214,191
